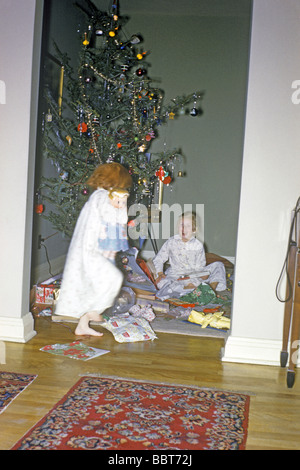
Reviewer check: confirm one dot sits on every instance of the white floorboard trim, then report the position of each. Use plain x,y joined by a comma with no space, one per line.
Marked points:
253,351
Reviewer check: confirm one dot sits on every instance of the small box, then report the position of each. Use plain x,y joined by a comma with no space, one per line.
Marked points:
157,305
44,292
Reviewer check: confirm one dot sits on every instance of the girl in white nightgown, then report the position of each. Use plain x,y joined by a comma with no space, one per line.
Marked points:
91,281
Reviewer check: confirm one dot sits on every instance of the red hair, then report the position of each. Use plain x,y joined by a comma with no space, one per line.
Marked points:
110,176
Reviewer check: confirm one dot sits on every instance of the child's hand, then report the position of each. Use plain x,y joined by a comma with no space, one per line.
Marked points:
109,254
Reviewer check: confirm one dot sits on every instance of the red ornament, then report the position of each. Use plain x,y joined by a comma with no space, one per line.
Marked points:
119,145
160,173
39,209
167,180
82,127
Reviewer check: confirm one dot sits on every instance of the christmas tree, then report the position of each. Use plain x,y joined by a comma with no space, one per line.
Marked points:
109,112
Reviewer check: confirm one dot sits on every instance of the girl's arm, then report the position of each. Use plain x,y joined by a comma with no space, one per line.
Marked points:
160,259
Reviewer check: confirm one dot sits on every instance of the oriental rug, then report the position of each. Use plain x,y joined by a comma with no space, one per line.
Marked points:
11,385
100,413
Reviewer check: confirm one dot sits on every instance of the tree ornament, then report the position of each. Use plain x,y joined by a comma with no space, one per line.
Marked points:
85,191
82,127
167,180
142,148
171,115
194,112
135,39
49,116
39,209
161,173
39,206
69,139
86,41
140,72
63,175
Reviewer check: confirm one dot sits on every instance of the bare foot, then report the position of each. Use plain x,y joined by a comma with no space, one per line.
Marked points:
83,327
87,332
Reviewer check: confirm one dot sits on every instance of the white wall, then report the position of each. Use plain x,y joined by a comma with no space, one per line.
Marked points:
270,182
20,33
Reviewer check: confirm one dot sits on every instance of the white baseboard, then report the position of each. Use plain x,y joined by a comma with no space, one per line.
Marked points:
253,351
17,330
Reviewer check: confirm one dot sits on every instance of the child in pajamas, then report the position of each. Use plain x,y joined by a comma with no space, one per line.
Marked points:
186,257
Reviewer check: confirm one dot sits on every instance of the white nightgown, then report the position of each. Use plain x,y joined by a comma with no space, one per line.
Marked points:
90,281
186,258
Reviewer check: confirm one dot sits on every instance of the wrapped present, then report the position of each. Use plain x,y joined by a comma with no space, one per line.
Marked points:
214,320
45,291
144,312
130,329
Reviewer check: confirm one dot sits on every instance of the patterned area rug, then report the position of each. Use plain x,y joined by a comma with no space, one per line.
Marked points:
11,385
101,413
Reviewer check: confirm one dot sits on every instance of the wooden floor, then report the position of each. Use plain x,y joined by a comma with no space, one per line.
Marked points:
274,409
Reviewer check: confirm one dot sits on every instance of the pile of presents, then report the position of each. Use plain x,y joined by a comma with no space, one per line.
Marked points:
139,287
137,296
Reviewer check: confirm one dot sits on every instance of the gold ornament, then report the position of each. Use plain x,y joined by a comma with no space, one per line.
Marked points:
86,41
